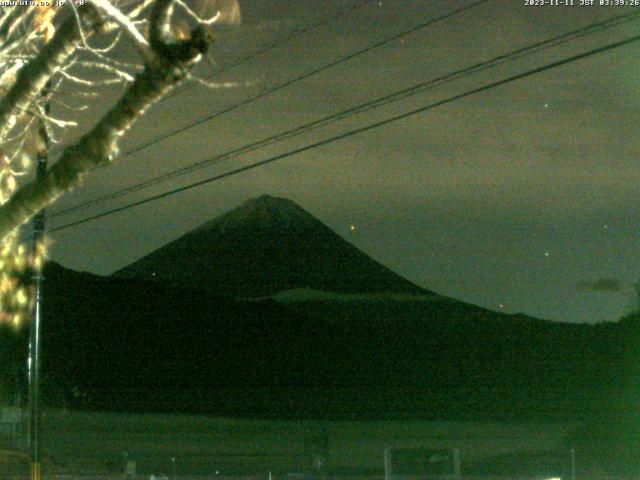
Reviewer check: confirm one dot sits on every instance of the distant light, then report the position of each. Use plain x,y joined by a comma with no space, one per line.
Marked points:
501,305
606,227
547,105
546,254
553,478
353,228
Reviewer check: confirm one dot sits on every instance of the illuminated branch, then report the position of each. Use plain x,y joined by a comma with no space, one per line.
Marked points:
127,25
169,66
15,17
33,77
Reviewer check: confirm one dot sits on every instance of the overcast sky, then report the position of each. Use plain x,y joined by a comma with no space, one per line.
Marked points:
523,198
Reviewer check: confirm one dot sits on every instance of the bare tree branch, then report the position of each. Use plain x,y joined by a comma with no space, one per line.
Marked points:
169,66
160,28
94,83
206,21
127,25
140,8
33,77
13,19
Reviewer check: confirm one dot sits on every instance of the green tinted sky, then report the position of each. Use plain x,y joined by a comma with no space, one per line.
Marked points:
525,196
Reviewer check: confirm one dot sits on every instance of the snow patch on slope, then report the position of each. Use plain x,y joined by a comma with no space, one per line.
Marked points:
298,295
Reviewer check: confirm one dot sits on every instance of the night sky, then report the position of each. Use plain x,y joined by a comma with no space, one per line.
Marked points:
523,198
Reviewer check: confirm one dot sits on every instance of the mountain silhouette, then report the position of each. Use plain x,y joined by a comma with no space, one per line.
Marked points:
263,247
266,312
120,344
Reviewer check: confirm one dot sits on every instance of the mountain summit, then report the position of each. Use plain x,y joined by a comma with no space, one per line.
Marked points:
265,246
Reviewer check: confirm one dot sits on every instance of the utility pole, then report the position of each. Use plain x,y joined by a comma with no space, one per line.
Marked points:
36,317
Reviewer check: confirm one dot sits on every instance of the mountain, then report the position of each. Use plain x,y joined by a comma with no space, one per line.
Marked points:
263,247
306,326
130,345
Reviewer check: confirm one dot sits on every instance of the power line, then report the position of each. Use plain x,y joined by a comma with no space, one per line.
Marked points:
301,77
265,49
376,103
356,131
